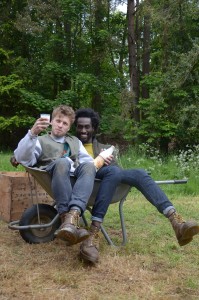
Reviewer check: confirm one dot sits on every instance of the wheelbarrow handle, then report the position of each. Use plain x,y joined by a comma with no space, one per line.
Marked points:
180,181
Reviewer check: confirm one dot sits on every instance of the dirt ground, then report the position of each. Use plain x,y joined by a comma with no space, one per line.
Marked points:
151,266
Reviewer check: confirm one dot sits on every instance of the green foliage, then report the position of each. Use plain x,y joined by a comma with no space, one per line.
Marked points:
153,127
75,52
67,97
72,8
10,84
188,125
12,129
172,107
4,55
188,160
7,124
111,125
34,102
153,80
182,165
55,69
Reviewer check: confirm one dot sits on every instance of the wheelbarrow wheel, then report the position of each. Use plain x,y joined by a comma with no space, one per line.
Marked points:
30,217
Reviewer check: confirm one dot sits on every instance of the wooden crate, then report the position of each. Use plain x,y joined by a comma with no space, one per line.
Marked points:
18,192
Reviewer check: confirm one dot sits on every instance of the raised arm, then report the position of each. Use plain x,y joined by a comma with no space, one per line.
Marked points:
29,148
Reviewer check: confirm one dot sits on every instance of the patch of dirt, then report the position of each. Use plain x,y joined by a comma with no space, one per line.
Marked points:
151,266
54,271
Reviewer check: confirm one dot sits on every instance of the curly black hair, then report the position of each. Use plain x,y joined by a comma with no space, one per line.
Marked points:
88,113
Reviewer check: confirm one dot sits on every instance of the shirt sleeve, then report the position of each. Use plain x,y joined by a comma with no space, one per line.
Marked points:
28,150
83,155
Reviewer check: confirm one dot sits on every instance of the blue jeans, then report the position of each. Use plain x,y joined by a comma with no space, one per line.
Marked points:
65,195
139,179
112,176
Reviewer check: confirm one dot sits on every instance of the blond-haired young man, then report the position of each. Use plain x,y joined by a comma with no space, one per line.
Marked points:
61,154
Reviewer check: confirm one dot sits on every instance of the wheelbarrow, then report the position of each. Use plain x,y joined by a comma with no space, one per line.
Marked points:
39,222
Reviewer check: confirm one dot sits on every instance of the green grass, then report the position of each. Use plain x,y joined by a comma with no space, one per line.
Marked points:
5,164
151,266
166,168
160,168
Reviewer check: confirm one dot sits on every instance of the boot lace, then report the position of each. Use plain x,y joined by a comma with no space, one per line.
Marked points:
94,240
178,218
74,218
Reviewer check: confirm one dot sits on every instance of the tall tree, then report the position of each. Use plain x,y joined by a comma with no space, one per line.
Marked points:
146,51
98,48
133,68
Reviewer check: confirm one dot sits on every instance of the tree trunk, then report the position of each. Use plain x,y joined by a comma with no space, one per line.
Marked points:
97,52
133,70
67,30
146,54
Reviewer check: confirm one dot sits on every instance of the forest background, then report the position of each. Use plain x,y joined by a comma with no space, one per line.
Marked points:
139,69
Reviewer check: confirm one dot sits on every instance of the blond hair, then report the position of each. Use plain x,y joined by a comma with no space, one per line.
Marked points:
64,110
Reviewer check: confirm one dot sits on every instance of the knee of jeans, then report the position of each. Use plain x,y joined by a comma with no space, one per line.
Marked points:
114,173
88,168
140,173
62,165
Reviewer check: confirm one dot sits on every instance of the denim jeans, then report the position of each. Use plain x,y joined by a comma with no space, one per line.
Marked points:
111,176
65,195
139,179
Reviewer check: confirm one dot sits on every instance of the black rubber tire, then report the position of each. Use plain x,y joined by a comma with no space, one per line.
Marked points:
30,217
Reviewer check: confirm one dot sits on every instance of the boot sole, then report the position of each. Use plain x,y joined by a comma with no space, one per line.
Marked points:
88,258
190,232
187,236
79,240
184,242
67,235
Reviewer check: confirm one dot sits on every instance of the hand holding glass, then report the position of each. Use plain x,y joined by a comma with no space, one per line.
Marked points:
45,116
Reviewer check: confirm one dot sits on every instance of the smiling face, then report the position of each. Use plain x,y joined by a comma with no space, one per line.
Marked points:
84,130
60,125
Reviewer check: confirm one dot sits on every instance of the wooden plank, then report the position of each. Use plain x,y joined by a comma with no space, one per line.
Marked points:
18,192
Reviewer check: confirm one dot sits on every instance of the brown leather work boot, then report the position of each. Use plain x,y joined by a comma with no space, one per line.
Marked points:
184,230
89,249
69,230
